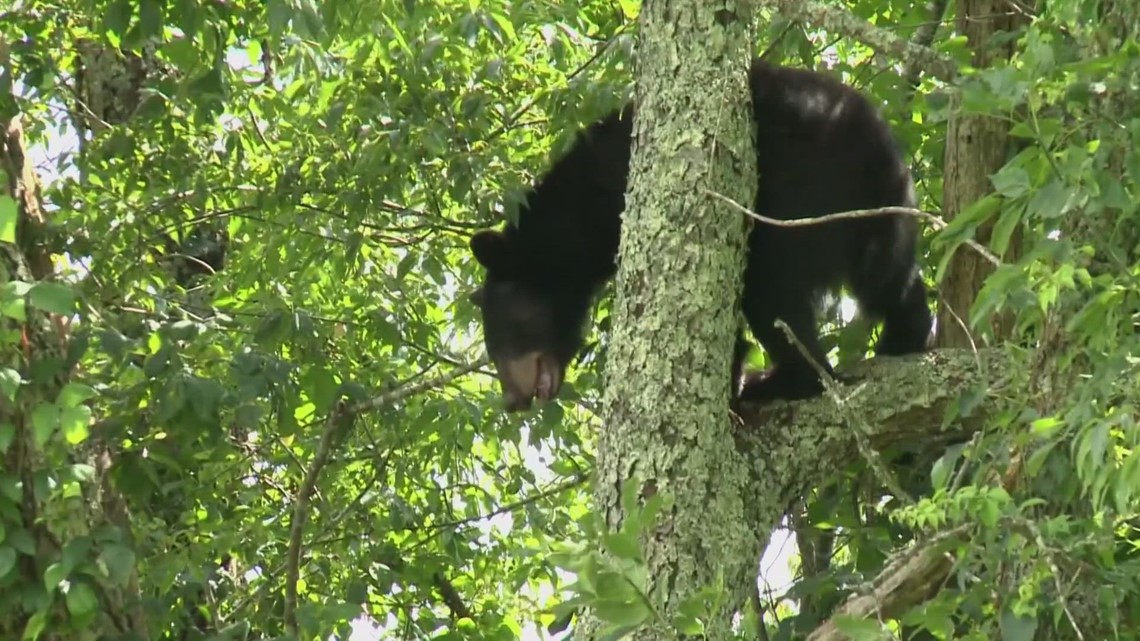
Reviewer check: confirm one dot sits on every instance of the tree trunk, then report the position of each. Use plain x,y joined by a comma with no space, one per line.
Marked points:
976,147
666,420
49,520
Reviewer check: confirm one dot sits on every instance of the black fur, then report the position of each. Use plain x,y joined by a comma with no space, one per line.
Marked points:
822,149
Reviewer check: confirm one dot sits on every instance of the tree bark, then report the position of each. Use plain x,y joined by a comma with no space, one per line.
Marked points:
41,363
666,424
976,147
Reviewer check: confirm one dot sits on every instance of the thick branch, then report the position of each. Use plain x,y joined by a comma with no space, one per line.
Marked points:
895,401
911,578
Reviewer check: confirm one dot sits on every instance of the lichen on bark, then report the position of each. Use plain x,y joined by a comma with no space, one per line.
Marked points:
666,419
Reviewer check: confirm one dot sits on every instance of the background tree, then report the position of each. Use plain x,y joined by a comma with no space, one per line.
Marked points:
308,436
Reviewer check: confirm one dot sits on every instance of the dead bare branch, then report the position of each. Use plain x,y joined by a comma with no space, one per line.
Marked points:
934,220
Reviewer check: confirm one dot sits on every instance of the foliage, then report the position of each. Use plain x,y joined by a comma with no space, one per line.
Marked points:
348,149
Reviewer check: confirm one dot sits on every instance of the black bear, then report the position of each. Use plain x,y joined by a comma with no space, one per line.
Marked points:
822,149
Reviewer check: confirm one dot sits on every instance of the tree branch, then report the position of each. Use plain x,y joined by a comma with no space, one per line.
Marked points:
935,221
902,401
912,577
795,446
924,37
339,421
881,40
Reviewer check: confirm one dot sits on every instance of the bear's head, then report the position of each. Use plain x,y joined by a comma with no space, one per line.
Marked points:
532,325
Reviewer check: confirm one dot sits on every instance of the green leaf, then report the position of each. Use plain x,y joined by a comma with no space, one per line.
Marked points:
622,613
989,513
54,575
688,625
75,552
649,512
505,25
356,593
1046,426
307,20
630,492
22,541
157,363
623,545
208,90
1050,201
203,396
16,289
9,383
7,560
273,328
616,632
36,624
81,472
944,466
120,562
962,228
75,423
118,17
1003,229
238,631
278,13
860,629
150,18
81,599
53,298
73,394
8,216
12,303
1011,181
45,418
7,435
1017,628
612,586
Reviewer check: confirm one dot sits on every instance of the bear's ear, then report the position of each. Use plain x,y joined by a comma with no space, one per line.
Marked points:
476,296
491,249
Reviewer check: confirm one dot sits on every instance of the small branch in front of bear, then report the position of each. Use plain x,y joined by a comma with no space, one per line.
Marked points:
924,37
934,220
824,376
961,323
861,431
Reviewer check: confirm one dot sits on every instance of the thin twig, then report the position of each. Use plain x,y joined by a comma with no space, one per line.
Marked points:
881,40
1039,539
933,219
337,419
405,391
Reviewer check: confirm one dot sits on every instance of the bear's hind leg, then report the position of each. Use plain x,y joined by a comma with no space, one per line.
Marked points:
791,377
888,287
